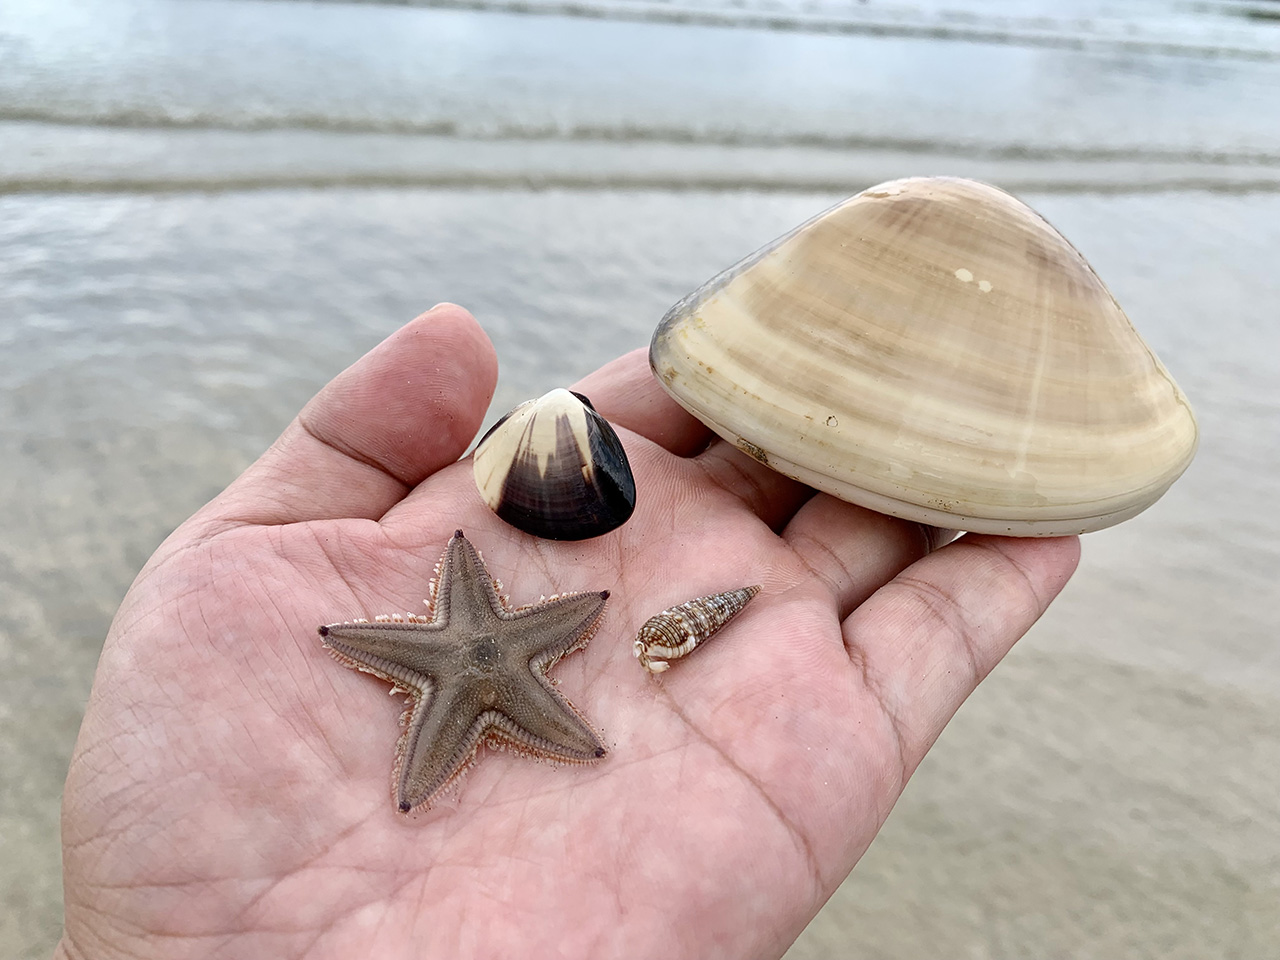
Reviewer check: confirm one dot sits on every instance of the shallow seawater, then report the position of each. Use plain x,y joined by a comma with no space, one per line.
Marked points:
171,292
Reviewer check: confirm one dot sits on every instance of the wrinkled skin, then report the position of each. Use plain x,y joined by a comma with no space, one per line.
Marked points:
229,794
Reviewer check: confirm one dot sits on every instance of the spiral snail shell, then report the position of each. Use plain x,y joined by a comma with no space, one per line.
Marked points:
678,631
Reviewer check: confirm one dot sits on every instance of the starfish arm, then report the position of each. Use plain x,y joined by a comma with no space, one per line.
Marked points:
548,631
516,707
466,595
544,723
406,654
440,740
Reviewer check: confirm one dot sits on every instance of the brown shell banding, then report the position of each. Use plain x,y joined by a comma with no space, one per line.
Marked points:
679,630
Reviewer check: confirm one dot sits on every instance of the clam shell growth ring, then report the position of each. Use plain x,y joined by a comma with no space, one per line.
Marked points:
933,349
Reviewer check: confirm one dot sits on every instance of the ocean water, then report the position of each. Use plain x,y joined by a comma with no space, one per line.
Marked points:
208,208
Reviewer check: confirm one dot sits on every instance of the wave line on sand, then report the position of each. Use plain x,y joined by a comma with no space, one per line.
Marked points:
629,133
979,29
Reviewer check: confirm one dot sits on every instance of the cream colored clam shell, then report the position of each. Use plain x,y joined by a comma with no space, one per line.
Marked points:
932,349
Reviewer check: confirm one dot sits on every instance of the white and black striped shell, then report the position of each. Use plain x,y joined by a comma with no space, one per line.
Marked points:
554,468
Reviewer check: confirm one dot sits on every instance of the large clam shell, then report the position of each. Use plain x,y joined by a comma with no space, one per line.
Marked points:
933,349
555,468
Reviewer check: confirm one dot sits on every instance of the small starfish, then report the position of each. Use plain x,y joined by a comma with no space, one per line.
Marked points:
475,672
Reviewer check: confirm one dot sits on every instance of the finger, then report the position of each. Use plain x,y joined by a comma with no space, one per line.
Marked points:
767,493
853,551
407,408
926,639
626,393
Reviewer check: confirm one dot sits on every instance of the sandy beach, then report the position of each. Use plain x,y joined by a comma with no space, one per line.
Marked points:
195,236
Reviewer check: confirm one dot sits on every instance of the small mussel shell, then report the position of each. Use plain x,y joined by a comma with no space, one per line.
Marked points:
933,349
554,468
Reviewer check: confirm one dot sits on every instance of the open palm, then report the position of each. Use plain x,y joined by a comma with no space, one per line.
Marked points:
230,791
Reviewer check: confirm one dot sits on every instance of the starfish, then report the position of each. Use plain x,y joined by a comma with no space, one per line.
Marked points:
475,672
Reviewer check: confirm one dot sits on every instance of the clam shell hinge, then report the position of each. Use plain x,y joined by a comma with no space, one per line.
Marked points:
677,632
554,468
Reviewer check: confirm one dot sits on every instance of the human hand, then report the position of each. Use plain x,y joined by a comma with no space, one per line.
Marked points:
229,793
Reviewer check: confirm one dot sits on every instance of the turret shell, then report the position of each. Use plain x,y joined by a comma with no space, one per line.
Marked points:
555,468
678,631
933,349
